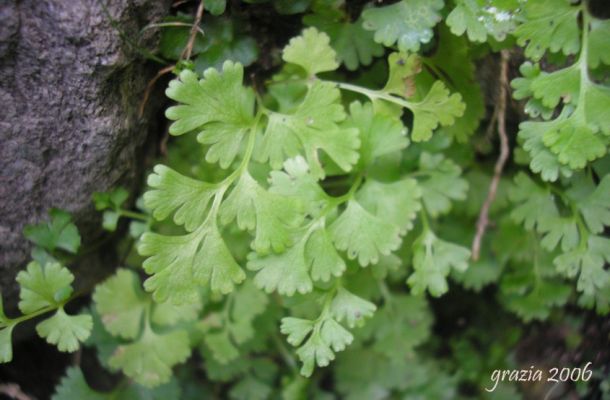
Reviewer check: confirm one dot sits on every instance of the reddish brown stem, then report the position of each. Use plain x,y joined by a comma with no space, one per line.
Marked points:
150,86
500,114
13,391
188,50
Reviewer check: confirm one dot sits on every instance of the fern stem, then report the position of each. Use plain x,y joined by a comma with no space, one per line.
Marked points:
26,317
247,156
133,215
424,220
350,193
385,292
374,94
582,229
583,58
285,353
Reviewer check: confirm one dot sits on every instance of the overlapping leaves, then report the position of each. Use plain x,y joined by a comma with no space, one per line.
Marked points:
407,23
574,232
313,126
482,18
141,350
222,109
225,332
74,385
318,340
218,106
577,133
354,45
303,235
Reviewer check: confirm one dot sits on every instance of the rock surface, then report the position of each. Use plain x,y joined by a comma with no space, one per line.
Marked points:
70,88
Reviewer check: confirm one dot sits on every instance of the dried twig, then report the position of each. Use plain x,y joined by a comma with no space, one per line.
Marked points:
500,114
150,86
186,55
77,357
188,50
13,391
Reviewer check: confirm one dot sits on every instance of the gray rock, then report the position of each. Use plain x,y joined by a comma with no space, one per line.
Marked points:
70,88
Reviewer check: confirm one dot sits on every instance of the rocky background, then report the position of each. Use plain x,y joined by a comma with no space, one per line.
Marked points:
72,77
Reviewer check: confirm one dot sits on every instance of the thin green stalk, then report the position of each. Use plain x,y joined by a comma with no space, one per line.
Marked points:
247,155
385,292
424,220
537,276
335,202
329,296
133,215
583,58
224,185
226,309
170,25
285,353
352,190
374,94
582,229
26,317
